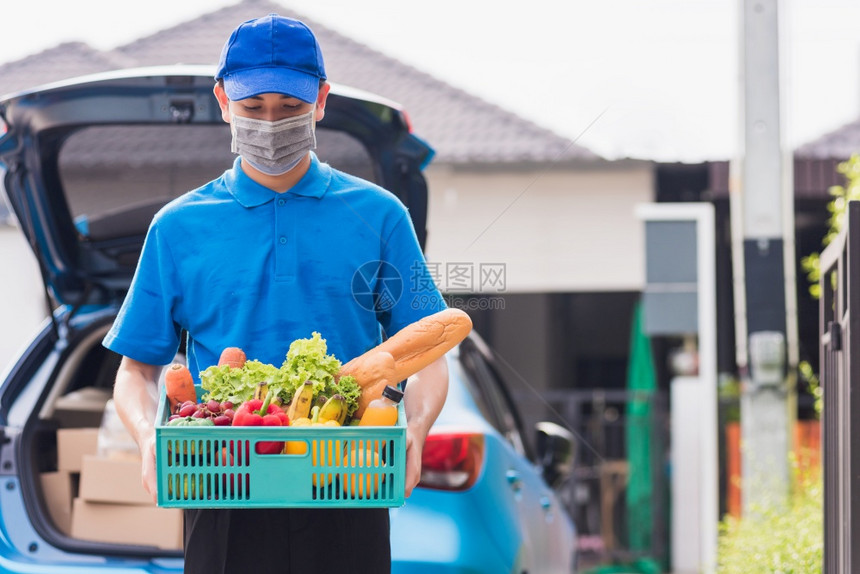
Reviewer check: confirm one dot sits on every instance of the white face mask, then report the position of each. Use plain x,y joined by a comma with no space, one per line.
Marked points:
273,148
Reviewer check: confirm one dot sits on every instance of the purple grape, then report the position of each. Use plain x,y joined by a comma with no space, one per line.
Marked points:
199,414
229,413
226,405
221,420
187,410
173,418
214,406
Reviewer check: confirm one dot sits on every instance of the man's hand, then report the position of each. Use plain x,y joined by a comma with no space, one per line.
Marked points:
425,394
136,408
147,473
414,448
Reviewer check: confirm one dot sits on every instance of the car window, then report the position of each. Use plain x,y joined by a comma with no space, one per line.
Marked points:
487,390
116,177
476,390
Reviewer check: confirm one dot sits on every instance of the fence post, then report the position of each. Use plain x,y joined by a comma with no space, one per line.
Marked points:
839,329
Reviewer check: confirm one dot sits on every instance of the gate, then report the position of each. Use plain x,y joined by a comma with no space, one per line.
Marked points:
840,378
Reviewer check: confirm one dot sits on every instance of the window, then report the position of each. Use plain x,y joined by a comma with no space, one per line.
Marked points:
489,393
116,177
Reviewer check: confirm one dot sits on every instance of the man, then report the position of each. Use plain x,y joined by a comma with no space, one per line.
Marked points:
257,258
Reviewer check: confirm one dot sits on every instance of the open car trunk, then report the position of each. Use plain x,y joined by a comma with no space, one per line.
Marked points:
80,477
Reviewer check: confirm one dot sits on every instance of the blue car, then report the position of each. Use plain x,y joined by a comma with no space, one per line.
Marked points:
85,165
482,505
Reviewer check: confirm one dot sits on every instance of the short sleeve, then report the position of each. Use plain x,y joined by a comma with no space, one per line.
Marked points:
145,329
406,290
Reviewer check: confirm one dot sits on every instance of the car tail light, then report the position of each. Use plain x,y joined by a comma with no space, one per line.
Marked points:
451,461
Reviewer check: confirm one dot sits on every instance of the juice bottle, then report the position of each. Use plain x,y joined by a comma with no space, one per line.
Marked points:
382,411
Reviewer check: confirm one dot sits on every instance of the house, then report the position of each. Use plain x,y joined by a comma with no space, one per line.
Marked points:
519,217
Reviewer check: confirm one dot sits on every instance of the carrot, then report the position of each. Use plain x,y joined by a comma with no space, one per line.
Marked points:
179,385
234,357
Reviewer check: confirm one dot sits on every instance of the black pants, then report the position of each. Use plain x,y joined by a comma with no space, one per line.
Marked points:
288,541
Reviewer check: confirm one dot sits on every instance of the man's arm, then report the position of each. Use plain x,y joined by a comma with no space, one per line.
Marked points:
424,397
137,409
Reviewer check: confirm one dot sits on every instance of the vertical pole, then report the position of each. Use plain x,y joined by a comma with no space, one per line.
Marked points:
688,404
707,332
766,220
761,170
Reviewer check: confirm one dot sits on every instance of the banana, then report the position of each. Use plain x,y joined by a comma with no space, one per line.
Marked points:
344,412
300,406
261,390
320,400
334,409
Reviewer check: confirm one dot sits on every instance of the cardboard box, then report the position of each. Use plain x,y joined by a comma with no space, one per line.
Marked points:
73,445
112,480
58,491
81,408
127,524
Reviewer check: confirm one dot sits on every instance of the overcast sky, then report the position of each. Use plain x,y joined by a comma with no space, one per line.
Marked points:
663,73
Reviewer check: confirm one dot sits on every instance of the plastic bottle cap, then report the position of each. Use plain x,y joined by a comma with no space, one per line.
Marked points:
392,393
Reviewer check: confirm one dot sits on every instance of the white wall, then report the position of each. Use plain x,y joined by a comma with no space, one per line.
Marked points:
22,298
570,229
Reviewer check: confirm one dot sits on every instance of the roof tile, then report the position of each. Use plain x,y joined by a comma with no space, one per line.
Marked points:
838,144
64,61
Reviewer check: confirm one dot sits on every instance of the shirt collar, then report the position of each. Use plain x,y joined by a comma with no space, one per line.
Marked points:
249,193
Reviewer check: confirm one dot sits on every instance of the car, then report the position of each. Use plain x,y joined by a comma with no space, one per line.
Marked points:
482,502
85,165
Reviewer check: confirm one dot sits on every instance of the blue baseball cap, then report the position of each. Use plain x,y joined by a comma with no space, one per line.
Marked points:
273,54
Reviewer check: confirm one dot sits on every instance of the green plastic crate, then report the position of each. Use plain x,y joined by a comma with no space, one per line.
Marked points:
216,467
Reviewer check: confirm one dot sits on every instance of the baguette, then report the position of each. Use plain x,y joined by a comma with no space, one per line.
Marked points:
422,342
372,371
411,349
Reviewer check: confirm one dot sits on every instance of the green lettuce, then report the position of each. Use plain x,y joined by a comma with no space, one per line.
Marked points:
226,384
348,387
235,385
306,360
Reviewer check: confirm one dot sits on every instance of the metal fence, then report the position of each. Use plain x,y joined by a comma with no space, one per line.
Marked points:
840,379
596,496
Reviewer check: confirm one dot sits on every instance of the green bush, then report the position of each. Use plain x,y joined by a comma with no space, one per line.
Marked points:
837,207
786,539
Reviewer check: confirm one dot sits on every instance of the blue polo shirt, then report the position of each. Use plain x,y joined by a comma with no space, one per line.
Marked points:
236,264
